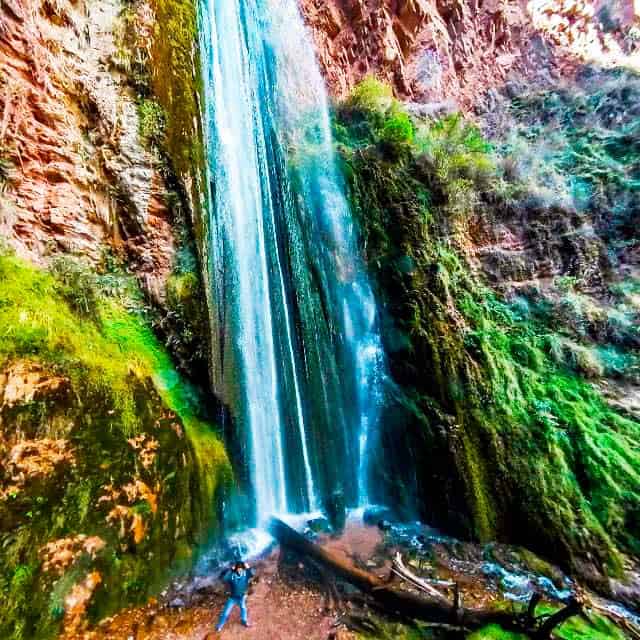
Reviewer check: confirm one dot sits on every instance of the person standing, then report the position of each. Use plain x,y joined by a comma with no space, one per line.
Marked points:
238,578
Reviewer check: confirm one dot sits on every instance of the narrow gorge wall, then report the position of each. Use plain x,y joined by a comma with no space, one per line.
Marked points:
511,322
487,285
505,257
76,174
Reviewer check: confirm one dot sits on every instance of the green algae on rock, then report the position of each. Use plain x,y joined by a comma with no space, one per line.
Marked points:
109,475
598,628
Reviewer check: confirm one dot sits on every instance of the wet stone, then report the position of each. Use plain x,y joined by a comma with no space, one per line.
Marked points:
319,525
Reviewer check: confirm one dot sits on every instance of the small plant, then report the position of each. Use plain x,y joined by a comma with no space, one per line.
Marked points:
398,129
152,122
566,284
371,95
77,284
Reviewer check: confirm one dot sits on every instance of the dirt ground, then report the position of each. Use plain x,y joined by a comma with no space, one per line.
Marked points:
283,605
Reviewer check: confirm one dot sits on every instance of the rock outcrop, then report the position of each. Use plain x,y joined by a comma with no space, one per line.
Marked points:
432,50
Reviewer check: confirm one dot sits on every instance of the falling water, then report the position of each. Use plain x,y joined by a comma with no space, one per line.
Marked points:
296,353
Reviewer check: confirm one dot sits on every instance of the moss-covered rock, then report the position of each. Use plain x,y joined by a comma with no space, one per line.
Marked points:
596,628
519,445
109,475
159,53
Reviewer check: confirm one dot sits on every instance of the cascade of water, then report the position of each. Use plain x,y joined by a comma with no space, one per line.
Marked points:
296,352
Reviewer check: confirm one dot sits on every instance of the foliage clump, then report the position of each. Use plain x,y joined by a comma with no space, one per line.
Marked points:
152,122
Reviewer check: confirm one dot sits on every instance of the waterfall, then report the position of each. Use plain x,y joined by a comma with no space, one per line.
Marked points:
297,357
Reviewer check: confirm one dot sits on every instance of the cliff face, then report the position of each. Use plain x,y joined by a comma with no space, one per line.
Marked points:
507,266
76,174
454,52
507,272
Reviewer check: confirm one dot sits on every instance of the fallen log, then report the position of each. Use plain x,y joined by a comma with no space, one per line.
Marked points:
430,606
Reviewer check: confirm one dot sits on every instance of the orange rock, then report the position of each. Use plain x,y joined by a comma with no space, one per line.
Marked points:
434,51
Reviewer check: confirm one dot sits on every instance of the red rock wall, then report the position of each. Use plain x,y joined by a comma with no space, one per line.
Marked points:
434,50
77,177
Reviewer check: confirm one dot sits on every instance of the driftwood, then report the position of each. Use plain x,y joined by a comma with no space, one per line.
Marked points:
431,605
399,569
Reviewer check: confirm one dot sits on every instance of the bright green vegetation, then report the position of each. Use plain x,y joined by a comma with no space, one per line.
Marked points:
123,392
599,628
152,122
521,444
179,396
177,85
37,320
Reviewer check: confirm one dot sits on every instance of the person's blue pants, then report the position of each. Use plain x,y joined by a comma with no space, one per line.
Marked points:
228,608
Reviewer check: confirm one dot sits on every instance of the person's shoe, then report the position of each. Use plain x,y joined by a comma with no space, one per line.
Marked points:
246,624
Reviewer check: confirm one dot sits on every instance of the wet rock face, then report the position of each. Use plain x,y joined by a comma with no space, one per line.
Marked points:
83,505
430,50
75,175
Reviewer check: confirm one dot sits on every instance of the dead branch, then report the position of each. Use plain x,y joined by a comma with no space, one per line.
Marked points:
399,569
430,606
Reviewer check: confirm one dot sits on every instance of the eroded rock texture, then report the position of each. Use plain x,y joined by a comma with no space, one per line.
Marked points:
454,50
75,174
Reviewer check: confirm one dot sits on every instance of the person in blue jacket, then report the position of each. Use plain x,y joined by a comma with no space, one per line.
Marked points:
238,578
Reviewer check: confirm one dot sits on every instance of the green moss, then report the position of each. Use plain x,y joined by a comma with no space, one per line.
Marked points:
181,397
580,142
151,122
598,628
176,81
122,384
371,96
36,321
495,632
